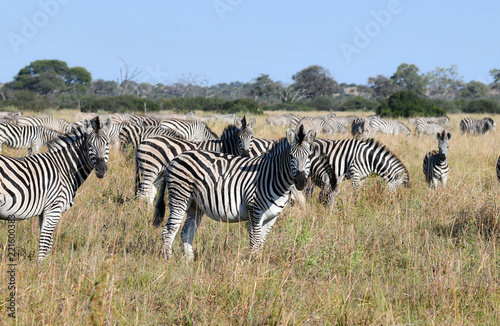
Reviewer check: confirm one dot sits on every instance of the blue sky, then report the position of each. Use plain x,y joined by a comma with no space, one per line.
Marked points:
236,40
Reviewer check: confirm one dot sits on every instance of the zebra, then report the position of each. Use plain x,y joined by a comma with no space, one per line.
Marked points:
31,137
428,128
319,124
355,160
387,126
134,134
192,130
360,129
443,121
479,127
435,165
45,184
155,153
336,126
279,120
46,121
232,189
498,169
144,120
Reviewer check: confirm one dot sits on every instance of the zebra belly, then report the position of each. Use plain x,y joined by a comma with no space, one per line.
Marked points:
222,206
276,207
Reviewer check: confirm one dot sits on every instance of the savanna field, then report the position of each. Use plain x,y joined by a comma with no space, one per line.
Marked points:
417,257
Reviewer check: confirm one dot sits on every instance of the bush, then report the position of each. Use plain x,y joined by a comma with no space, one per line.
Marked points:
358,103
114,104
408,104
481,106
289,107
26,100
322,103
242,106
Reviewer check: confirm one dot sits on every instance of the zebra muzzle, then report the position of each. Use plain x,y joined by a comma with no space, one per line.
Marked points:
300,180
101,168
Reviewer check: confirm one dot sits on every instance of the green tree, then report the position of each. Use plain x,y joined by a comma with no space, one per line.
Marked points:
264,87
408,104
474,90
444,83
495,73
382,87
315,81
408,78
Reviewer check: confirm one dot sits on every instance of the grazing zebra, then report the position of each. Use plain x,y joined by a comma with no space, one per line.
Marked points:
336,126
477,127
436,162
427,128
192,130
232,189
31,137
45,184
134,134
319,124
155,153
355,159
360,128
46,121
279,120
443,121
498,169
391,127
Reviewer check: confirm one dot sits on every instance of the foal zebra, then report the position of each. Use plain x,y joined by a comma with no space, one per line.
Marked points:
477,127
45,184
354,159
436,162
232,189
392,127
155,153
25,137
191,130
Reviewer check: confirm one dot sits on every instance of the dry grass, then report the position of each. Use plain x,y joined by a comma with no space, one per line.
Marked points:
418,257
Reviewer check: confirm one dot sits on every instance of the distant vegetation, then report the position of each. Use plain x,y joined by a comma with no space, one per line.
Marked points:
53,84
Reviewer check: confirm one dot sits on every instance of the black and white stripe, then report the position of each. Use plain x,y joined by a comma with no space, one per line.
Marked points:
45,184
355,160
47,121
192,130
435,165
155,153
498,169
477,127
424,127
232,189
391,127
133,135
30,137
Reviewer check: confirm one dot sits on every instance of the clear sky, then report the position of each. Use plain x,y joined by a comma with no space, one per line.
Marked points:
236,40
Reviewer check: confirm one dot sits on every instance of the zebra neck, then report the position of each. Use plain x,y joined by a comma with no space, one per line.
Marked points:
279,170
74,162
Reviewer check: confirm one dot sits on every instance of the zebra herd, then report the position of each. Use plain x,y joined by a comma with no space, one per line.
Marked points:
232,178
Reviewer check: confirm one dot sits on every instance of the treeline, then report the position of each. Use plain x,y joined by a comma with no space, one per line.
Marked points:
52,84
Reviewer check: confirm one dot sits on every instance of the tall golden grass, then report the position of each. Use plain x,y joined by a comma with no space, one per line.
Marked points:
417,257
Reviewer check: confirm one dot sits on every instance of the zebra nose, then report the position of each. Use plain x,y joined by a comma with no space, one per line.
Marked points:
246,153
300,180
101,168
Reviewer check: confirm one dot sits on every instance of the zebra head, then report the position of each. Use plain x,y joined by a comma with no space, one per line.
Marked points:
245,135
489,125
443,143
98,144
301,152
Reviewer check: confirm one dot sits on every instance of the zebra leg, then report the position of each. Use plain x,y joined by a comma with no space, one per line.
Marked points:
172,227
444,180
254,230
266,228
189,229
48,221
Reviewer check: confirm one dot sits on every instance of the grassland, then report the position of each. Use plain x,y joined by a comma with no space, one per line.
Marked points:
418,257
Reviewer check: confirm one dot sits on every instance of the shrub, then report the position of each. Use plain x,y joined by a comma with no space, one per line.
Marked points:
113,104
481,106
26,100
358,103
408,104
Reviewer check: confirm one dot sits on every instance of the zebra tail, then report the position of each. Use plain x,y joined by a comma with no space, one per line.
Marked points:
160,206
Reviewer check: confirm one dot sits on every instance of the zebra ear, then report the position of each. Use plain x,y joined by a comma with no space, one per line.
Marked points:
251,123
438,136
290,136
448,135
311,136
87,126
106,125
239,122
316,151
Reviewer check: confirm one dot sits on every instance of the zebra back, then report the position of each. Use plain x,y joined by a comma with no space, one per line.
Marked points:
134,134
192,130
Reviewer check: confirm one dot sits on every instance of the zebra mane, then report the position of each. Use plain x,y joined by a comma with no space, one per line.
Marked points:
209,131
228,132
277,148
383,148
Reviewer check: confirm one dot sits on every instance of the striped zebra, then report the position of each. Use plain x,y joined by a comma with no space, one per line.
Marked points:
336,126
360,129
391,127
477,127
318,124
45,184
134,135
279,120
435,164
355,160
232,189
46,121
427,128
155,153
30,137
443,121
192,130
144,120
498,169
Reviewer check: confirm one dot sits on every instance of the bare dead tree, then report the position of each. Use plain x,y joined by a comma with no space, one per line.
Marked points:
187,84
209,92
289,94
1,92
126,77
